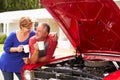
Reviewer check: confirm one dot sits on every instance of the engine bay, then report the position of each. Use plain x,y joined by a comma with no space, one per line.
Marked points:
75,69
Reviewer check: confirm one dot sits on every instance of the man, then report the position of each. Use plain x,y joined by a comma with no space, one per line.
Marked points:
50,42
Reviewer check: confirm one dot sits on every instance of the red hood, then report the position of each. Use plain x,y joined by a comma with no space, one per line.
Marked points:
90,25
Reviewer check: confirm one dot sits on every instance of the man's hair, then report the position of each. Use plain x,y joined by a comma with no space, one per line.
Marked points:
47,27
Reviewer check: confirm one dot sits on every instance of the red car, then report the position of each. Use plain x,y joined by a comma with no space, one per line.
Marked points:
93,28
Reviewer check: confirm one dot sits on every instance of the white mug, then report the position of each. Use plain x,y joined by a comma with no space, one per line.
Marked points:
26,48
41,45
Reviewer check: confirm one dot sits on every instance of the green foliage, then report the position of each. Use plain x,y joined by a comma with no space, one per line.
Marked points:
1,5
2,38
1,48
12,5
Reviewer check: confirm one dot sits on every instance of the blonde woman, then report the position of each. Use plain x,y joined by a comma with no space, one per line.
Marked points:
11,60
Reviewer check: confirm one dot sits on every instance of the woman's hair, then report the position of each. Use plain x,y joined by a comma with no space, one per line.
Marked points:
25,22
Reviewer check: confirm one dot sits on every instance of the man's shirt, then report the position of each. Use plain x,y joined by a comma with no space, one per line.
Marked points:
50,46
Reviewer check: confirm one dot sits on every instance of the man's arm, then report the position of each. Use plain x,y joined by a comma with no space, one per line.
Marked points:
34,57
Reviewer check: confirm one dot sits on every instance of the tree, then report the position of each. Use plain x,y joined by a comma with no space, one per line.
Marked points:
1,5
11,5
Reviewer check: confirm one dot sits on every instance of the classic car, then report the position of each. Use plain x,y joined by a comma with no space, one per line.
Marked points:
93,28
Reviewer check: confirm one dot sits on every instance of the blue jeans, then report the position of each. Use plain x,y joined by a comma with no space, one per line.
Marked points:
9,75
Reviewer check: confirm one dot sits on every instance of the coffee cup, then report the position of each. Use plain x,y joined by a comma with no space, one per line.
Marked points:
26,48
41,45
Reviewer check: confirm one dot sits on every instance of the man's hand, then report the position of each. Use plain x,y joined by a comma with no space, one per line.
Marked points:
55,37
42,59
26,60
36,46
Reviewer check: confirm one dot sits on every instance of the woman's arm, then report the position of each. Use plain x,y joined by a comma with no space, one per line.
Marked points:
9,44
16,49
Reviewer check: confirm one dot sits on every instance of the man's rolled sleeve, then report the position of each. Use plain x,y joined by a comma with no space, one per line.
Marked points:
51,48
32,41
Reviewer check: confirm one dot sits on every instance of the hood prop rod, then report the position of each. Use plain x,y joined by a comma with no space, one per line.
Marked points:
78,57
76,51
116,65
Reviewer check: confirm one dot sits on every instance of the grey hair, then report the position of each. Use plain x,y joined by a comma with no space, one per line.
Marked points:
46,25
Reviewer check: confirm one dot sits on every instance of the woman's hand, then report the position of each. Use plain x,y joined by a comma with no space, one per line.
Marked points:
20,48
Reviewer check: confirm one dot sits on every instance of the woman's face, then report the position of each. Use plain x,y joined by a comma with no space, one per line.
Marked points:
26,24
27,28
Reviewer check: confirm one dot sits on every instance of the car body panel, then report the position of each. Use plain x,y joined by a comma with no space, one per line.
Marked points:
30,67
92,26
113,76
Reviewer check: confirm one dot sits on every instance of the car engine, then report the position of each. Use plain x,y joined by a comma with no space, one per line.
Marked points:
74,69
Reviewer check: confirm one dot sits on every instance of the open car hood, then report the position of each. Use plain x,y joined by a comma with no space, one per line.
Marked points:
92,26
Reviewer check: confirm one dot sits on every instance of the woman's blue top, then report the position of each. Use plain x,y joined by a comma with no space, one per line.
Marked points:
13,62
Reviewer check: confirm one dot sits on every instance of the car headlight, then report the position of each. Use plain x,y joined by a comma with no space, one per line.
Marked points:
27,75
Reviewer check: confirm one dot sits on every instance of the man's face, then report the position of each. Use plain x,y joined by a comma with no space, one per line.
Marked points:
41,32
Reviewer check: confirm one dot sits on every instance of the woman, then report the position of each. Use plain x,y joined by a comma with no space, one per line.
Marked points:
11,60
